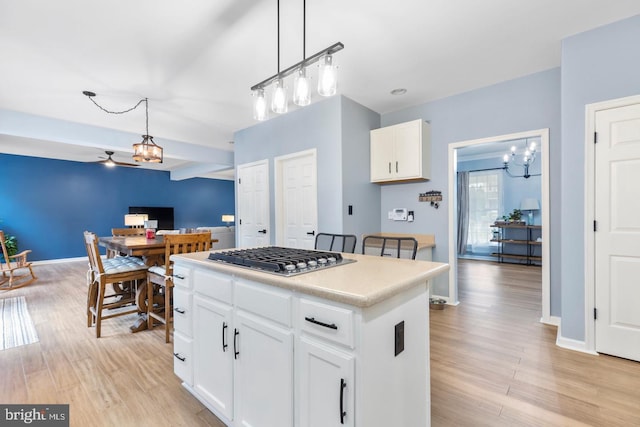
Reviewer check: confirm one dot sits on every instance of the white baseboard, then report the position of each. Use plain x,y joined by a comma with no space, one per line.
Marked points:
552,320
60,260
571,344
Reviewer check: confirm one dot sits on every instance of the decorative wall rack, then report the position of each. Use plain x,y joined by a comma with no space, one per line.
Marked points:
431,196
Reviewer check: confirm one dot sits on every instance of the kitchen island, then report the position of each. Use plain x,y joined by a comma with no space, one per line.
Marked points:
347,345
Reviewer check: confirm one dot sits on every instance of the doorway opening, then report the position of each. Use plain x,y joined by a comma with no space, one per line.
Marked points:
496,199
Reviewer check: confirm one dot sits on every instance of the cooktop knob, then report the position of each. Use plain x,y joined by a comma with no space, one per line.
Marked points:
301,266
332,260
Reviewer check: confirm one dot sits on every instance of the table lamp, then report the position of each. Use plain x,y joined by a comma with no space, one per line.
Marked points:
135,220
228,219
529,205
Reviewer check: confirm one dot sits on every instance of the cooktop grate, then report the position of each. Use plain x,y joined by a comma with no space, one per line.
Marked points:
280,260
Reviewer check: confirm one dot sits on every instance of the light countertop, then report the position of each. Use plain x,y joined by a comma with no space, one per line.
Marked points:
364,283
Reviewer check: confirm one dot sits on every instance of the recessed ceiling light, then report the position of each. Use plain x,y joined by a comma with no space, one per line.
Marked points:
399,91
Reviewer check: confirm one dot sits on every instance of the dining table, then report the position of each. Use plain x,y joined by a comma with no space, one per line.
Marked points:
152,253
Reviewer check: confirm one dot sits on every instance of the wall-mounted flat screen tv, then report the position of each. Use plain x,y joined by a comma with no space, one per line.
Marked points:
164,216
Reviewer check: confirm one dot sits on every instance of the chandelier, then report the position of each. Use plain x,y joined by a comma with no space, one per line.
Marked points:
145,151
327,78
523,160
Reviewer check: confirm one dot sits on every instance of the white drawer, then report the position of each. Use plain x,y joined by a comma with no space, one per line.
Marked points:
182,360
327,321
182,276
265,301
182,311
212,284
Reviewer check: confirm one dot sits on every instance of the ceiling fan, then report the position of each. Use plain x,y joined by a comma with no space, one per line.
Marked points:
110,162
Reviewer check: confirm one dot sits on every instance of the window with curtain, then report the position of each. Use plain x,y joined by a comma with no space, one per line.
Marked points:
485,203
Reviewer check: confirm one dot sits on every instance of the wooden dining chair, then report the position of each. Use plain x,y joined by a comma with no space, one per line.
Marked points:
160,278
123,232
400,247
13,263
112,271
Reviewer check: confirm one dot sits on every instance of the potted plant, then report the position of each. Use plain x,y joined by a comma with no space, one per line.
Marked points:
515,217
11,242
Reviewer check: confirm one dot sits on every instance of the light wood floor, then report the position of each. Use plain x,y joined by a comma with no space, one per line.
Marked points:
492,362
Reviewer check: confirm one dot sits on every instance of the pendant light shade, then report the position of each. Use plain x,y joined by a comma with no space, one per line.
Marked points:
260,110
147,151
328,77
301,88
279,98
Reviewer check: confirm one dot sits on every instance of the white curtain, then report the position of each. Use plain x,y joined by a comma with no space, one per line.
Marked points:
485,203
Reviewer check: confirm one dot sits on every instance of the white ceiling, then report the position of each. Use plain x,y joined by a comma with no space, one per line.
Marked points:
196,60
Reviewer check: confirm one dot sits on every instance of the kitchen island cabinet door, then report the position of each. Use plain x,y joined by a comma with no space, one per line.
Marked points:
264,373
326,381
213,354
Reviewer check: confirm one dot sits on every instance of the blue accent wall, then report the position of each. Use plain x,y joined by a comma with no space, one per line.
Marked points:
47,204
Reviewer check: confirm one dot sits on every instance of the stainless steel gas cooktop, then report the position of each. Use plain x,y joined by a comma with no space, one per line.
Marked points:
281,261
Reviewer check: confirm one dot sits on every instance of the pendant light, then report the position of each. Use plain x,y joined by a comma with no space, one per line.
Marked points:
260,110
301,87
327,81
145,151
328,77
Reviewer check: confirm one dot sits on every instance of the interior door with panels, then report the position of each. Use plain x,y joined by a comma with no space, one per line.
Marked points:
253,204
617,237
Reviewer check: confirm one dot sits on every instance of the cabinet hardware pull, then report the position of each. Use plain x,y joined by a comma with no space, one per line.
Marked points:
389,167
311,233
179,276
343,413
264,231
317,322
180,358
235,344
179,310
224,344
396,167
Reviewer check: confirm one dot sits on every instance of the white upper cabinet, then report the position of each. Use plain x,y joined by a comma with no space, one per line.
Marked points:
401,152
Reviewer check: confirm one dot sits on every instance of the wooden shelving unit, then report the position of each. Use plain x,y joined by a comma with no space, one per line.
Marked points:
522,236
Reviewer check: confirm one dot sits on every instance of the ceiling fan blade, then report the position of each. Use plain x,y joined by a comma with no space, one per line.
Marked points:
126,164
109,159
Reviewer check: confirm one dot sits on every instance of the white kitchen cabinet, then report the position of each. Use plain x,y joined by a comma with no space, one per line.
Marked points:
242,350
263,374
326,384
296,359
182,313
213,353
401,152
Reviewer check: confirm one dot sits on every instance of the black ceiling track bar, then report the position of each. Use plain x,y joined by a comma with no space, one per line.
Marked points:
336,47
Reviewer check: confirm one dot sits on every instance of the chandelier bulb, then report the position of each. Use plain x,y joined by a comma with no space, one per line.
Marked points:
279,99
260,110
328,77
301,89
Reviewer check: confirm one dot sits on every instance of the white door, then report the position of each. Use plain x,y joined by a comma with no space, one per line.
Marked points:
213,354
299,194
617,239
264,374
253,205
326,386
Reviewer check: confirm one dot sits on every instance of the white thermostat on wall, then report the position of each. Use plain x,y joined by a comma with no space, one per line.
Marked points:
398,214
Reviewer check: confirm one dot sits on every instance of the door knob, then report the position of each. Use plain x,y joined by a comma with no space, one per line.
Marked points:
311,233
263,231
